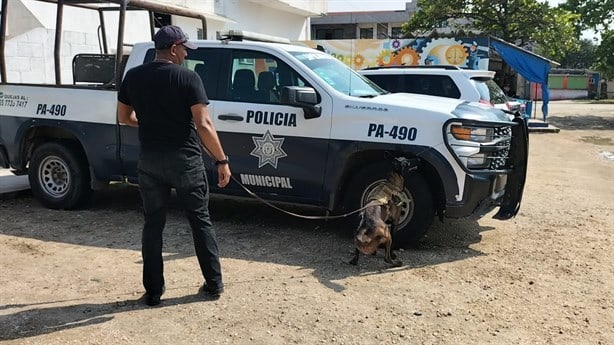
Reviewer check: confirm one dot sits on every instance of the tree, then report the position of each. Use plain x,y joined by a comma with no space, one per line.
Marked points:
583,58
604,58
558,37
596,15
516,21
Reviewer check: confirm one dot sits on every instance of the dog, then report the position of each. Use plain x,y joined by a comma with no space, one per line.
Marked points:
380,219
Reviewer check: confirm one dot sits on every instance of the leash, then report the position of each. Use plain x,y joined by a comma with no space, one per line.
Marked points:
266,202
257,197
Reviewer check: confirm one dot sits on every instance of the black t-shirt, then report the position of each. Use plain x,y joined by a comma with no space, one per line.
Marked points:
161,95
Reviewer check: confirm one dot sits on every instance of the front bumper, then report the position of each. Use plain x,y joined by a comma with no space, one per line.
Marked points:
503,186
486,193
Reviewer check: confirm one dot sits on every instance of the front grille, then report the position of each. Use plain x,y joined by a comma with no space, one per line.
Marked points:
499,158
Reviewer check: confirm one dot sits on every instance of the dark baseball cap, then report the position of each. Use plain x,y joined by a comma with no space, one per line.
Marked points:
169,35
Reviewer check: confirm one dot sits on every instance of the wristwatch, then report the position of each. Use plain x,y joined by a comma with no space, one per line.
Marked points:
223,161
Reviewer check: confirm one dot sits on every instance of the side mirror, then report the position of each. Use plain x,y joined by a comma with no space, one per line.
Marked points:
304,97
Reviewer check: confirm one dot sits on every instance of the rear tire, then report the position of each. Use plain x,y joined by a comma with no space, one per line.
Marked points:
59,176
418,210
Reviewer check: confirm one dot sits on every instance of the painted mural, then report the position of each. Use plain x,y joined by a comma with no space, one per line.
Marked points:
463,52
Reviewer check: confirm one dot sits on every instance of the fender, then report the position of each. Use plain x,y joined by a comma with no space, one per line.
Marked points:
345,158
102,146
4,159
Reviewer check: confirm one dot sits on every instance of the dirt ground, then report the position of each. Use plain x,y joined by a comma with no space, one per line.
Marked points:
544,277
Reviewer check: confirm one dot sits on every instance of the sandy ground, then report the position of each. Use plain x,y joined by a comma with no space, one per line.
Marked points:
545,277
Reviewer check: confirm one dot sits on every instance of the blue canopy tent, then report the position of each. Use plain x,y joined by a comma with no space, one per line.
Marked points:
531,66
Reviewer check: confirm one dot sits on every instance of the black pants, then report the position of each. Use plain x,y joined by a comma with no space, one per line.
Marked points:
158,173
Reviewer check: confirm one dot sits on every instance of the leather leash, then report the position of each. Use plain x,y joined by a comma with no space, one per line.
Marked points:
257,197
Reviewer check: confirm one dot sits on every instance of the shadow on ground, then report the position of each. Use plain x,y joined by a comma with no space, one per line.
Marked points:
582,122
39,319
246,230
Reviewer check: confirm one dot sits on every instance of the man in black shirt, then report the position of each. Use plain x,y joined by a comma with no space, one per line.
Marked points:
168,104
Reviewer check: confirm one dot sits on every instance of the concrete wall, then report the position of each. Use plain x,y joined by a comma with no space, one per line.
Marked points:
31,40
29,57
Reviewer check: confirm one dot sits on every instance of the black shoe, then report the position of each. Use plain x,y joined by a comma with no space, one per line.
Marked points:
212,291
153,300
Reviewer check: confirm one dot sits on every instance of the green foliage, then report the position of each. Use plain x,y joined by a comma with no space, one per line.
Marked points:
581,59
554,31
597,15
604,55
560,37
509,20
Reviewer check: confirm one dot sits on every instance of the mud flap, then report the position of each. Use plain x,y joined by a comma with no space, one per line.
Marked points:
4,160
517,178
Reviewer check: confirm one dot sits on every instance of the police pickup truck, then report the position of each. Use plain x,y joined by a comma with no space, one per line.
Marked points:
298,125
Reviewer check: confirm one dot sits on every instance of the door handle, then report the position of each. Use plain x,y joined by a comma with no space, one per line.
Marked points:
230,117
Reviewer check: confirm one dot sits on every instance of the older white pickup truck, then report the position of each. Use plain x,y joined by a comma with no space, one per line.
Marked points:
298,125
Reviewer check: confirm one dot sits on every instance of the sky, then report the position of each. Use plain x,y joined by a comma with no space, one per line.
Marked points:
391,5
380,5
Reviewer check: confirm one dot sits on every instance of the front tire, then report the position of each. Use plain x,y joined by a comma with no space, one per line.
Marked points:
418,208
59,176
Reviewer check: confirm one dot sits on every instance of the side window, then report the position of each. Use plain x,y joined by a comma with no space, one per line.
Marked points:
207,63
433,85
258,77
443,86
413,84
388,82
447,87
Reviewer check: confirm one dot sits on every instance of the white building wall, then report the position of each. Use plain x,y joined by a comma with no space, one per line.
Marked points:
251,16
283,18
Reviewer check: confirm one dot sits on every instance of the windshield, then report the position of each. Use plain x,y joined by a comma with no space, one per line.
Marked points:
338,75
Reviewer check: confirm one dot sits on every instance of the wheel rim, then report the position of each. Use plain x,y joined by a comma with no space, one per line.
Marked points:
54,176
407,208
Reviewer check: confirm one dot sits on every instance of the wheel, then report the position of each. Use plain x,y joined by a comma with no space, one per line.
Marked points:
418,208
59,177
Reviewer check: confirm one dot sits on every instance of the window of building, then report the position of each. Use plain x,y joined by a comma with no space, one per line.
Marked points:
382,31
329,34
366,33
396,32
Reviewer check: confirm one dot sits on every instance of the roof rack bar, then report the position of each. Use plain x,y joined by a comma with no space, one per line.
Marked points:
446,67
59,18
2,39
242,35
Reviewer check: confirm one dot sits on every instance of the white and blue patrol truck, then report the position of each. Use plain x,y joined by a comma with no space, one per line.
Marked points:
298,126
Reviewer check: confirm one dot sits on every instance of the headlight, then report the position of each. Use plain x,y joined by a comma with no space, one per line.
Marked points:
478,147
477,134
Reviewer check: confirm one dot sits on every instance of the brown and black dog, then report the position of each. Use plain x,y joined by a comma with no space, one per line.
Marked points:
383,208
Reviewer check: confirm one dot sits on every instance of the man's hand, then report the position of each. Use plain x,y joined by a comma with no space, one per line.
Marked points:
223,175
126,115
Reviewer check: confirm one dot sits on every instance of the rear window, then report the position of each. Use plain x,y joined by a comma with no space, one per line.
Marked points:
490,91
434,85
